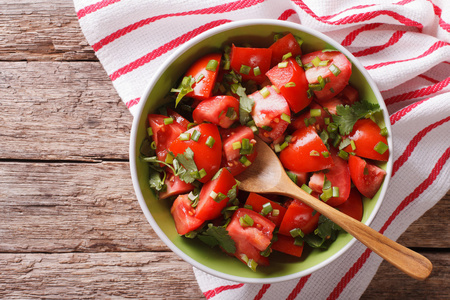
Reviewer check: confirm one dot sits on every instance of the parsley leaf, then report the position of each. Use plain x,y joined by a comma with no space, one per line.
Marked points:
217,235
346,116
187,168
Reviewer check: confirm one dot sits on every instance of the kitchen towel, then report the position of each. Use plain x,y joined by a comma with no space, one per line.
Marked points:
404,45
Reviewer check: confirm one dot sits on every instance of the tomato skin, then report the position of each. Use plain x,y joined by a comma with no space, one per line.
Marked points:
208,208
163,135
183,215
366,134
299,121
251,57
286,245
257,201
284,45
204,157
299,215
175,186
259,235
353,207
296,96
215,109
338,175
178,118
367,182
337,83
203,88
268,111
296,156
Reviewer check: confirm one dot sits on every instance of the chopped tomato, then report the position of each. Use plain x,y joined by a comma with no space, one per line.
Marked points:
205,157
292,83
286,244
353,206
236,167
336,83
219,110
174,186
330,104
366,135
184,215
209,208
257,201
268,111
235,136
163,135
283,46
365,176
301,177
338,175
242,57
305,143
178,118
304,119
349,95
299,216
205,79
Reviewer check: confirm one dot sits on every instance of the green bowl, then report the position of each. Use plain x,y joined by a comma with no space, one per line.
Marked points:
258,33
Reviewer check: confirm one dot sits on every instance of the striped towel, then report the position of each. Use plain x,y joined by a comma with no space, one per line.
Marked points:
405,47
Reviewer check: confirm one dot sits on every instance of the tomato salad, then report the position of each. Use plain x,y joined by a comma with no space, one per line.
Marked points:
301,104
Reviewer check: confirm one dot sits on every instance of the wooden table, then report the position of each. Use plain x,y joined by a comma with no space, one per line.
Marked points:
71,226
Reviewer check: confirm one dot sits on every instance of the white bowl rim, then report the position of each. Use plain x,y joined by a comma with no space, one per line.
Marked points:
132,150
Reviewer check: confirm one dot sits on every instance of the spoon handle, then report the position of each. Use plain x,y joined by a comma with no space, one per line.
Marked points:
411,263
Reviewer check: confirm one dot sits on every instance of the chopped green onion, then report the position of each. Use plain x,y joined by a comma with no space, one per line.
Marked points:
298,241
195,136
254,129
315,86
325,154
286,118
191,234
306,122
283,64
289,84
296,232
252,264
275,213
245,69
199,77
168,121
312,120
249,150
299,60
277,36
292,176
195,174
210,141
326,195
245,161
308,66
326,121
220,196
345,142
306,188
245,144
284,145
323,63
335,191
190,125
231,114
381,147
286,56
288,138
202,173
309,93
316,61
153,145
384,131
276,89
212,65
236,145
266,209
315,112
321,81
299,40
337,141
256,71
352,143
169,158
264,92
149,131
246,221
277,148
185,136
332,127
267,128
227,65
248,206
342,154
334,69
213,195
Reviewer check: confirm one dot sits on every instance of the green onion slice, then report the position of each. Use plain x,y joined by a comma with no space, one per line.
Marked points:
210,141
334,69
212,65
264,92
381,147
245,69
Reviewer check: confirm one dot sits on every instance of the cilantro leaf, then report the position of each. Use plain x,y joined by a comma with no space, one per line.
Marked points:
245,105
184,88
155,180
217,235
346,116
325,234
187,168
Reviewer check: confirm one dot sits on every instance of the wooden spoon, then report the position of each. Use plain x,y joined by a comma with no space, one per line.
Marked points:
267,175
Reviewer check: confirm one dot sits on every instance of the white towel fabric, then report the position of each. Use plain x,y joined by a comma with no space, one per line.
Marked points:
405,47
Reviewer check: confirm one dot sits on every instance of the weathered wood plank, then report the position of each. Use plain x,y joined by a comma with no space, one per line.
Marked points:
61,111
41,30
390,283
89,207
142,275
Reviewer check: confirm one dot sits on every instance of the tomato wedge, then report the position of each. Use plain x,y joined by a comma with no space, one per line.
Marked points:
174,186
205,157
284,45
184,215
250,58
336,83
305,143
338,175
268,111
257,201
366,135
178,118
353,207
299,216
235,136
209,208
286,244
163,135
219,110
304,119
365,176
236,167
205,79
292,83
